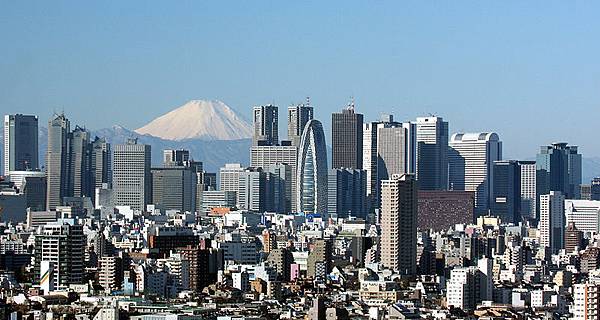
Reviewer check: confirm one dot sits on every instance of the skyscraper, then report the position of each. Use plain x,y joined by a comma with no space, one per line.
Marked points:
298,116
595,189
528,189
20,143
265,156
252,190
393,150
399,223
347,139
347,193
266,128
470,163
229,177
57,160
506,191
131,174
432,153
552,221
80,157
280,184
311,181
175,157
559,169
101,163
174,188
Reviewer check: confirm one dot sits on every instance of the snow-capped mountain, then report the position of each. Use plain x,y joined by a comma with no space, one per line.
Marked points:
199,119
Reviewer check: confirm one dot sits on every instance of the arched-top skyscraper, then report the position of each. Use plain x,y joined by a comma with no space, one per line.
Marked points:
312,170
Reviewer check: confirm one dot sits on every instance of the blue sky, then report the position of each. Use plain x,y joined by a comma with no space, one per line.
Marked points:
527,70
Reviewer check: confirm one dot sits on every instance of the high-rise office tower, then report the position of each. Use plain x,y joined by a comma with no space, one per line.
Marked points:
101,163
176,157
528,189
395,149
470,162
371,150
552,220
253,190
57,161
265,156
298,116
311,181
174,188
80,157
506,191
595,189
347,139
229,177
559,169
399,223
432,153
20,142
266,126
33,185
62,246
279,178
347,193
131,174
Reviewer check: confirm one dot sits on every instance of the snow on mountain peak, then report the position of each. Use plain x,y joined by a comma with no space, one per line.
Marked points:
199,119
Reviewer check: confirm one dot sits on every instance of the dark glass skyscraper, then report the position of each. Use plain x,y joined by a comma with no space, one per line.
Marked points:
266,125
347,193
20,142
506,191
432,153
558,168
347,139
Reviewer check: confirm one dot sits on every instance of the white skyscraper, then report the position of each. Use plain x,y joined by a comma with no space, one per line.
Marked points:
470,161
528,189
131,175
229,177
552,220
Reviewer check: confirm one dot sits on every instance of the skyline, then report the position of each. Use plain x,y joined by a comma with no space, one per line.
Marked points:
483,67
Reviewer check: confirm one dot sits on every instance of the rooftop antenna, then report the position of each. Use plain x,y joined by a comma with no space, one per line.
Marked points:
351,105
308,101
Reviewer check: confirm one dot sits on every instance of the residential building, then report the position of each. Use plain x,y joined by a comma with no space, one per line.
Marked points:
399,208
